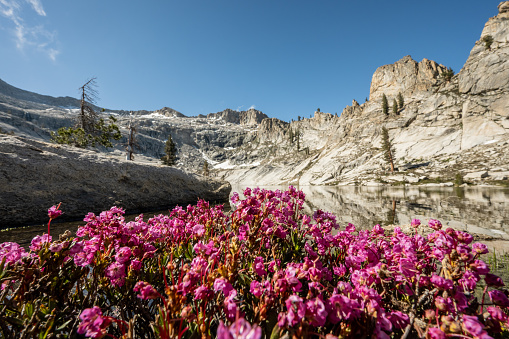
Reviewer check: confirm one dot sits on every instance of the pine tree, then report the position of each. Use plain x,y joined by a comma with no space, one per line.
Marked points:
388,148
171,152
385,105
401,101
395,107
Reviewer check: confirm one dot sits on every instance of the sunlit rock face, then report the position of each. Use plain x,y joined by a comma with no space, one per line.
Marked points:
406,76
445,127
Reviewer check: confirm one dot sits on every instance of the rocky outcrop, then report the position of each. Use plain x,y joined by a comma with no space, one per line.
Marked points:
406,76
249,117
170,112
35,175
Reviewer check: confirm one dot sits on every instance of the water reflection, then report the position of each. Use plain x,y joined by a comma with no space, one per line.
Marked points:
479,210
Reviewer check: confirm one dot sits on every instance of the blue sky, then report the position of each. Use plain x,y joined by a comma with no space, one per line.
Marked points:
285,58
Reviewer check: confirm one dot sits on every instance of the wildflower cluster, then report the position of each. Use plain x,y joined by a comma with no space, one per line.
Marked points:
263,270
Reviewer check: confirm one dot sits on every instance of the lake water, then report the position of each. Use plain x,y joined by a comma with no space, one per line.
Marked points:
478,210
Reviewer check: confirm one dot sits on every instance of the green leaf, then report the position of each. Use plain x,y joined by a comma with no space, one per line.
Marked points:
275,332
64,325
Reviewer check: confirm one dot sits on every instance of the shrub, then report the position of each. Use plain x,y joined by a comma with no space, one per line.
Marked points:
102,135
458,180
488,41
447,74
263,269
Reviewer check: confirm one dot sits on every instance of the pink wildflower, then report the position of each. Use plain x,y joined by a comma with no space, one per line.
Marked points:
146,290
93,323
499,298
435,224
38,241
54,212
415,223
240,329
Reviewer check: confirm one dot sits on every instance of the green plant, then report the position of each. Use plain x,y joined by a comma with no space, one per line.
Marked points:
385,105
401,101
170,149
394,107
488,41
447,74
102,135
458,180
388,148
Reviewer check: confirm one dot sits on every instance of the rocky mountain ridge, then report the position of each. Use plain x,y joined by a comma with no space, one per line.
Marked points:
447,127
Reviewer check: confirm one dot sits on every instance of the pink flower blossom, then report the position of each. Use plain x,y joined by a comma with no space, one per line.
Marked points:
240,329
499,298
93,323
480,248
258,267
38,241
146,290
415,223
436,333
435,224
493,280
54,212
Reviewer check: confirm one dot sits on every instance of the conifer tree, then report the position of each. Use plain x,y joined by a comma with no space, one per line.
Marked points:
394,107
171,152
401,101
388,148
385,105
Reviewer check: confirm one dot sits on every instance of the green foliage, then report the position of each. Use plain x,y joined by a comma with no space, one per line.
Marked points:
458,180
171,152
385,105
401,101
488,41
394,107
447,74
102,135
388,148
318,110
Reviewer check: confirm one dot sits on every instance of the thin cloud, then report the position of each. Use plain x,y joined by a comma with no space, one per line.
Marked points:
37,6
252,107
27,36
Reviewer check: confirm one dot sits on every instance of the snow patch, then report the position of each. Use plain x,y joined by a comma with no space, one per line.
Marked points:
227,165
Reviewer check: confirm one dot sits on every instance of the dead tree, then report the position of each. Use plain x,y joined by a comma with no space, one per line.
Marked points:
88,116
131,140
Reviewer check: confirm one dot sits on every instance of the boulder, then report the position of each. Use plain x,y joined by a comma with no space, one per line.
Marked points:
476,175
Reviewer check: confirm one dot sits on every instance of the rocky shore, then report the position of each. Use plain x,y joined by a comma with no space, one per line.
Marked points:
35,175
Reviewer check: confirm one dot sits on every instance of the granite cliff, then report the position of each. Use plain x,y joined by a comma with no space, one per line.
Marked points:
447,126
